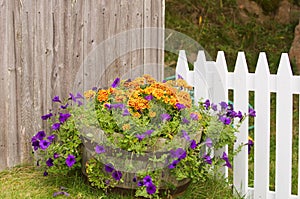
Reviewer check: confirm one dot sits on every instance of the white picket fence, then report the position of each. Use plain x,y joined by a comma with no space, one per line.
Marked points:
212,80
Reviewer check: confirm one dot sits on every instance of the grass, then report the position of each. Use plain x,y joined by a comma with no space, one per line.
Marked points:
28,182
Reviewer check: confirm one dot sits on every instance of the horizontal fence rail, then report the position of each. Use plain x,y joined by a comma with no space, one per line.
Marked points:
212,80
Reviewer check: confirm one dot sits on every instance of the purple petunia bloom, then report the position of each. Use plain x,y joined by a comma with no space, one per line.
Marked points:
107,182
51,137
117,106
40,135
179,76
180,106
194,116
165,117
185,135
225,120
214,107
231,113
140,183
99,149
180,153
223,105
149,132
45,173
49,162
55,155
206,104
134,179
147,180
239,115
207,158
47,116
55,126
193,144
115,83
94,88
79,103
185,121
151,189
140,136
44,144
79,96
109,168
56,99
117,175
250,145
252,112
208,142
64,106
173,164
126,112
70,160
35,143
72,97
225,157
63,117
149,97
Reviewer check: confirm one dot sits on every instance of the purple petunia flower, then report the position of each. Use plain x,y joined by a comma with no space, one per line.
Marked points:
149,97
99,149
239,115
185,121
165,117
252,112
94,88
126,112
179,76
55,155
107,182
206,104
109,168
194,116
180,153
231,113
51,137
173,164
63,117
117,175
72,97
55,126
35,143
225,120
223,105
151,189
47,116
147,180
56,99
45,173
214,107
207,158
180,106
140,183
193,144
40,135
250,145
117,106
115,83
185,135
44,144
49,162
134,179
225,157
70,161
208,142
79,103
140,136
79,96
64,106
149,132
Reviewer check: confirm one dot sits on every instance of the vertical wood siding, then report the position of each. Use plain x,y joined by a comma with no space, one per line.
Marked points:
46,46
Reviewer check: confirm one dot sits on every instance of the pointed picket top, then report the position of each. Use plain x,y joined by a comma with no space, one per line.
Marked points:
222,67
284,68
262,67
241,66
182,67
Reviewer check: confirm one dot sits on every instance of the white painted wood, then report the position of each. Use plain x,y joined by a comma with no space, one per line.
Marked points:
240,176
262,128
283,129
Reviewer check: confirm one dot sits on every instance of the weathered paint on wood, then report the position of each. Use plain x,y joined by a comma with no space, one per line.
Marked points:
47,49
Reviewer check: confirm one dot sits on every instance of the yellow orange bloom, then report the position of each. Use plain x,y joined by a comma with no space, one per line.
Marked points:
89,94
126,127
152,114
102,95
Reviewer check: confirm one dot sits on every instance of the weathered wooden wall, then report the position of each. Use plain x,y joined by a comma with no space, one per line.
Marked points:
45,50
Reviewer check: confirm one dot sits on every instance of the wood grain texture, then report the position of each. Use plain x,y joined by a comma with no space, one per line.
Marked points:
56,47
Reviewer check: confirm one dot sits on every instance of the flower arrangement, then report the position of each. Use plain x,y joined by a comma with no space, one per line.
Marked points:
140,134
